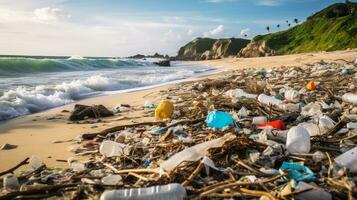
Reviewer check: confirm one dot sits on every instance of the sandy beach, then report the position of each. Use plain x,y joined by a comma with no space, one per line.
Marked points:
35,134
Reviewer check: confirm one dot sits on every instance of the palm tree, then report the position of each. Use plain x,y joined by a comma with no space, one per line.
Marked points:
268,28
278,26
296,21
245,35
287,21
289,25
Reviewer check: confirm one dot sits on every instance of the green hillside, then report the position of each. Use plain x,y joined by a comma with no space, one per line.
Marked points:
333,28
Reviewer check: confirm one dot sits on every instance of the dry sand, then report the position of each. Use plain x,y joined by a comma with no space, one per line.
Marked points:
34,134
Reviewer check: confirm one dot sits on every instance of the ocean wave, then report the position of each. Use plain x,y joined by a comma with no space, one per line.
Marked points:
19,65
23,100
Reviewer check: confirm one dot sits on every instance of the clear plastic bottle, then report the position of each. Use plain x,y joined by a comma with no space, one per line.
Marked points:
172,191
265,99
35,162
11,183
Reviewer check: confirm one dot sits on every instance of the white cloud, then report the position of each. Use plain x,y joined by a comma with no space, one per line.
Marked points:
48,14
214,32
245,32
269,2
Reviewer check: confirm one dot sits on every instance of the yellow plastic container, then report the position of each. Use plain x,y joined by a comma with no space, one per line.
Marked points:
164,110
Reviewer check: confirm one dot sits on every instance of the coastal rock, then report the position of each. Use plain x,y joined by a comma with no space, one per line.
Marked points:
254,49
82,112
8,146
207,48
163,63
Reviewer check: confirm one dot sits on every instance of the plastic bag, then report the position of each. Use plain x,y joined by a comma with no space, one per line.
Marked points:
218,119
164,110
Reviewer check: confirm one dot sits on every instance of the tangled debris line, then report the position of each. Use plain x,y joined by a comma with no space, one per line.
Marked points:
281,133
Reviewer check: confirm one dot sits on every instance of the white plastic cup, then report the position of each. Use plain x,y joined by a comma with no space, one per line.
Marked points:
110,148
350,98
298,140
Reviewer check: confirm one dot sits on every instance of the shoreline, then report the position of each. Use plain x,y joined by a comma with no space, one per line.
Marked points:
34,134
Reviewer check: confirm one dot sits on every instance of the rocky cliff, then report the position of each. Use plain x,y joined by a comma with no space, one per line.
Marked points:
207,48
255,49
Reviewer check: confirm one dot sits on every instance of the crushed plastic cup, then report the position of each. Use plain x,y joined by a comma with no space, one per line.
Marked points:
11,183
109,148
112,179
311,85
172,191
277,124
243,112
311,109
326,123
259,120
350,98
265,99
219,119
164,110
312,128
298,140
35,162
348,160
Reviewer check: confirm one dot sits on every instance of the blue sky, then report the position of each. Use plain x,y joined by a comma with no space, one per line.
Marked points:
127,27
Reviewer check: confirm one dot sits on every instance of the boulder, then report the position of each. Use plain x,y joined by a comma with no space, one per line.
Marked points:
82,112
163,63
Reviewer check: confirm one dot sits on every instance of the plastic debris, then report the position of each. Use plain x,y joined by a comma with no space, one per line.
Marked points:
219,119
311,85
297,172
164,110
298,140
348,160
172,191
277,124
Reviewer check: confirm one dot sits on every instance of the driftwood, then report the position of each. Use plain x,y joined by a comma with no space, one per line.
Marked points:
24,162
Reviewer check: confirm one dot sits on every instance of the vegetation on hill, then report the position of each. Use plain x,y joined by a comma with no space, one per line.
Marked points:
333,28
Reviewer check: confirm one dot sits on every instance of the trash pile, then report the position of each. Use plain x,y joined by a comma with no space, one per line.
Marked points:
280,133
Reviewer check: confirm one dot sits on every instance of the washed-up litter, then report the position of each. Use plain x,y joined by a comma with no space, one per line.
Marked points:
280,133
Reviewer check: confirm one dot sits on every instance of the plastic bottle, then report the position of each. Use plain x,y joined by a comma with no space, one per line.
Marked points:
35,162
172,191
291,94
239,93
326,123
11,183
350,98
265,99
164,110
348,160
109,148
298,140
194,153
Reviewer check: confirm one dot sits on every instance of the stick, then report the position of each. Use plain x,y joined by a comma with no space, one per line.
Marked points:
43,189
193,175
24,162
239,183
89,136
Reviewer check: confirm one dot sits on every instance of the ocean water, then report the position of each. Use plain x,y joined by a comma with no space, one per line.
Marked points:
29,85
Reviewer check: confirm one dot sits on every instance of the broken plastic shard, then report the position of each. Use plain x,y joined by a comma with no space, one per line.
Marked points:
112,179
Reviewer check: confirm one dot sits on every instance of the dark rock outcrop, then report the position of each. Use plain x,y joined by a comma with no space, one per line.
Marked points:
82,112
163,63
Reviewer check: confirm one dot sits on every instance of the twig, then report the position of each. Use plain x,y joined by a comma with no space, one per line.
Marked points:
193,175
89,136
24,162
